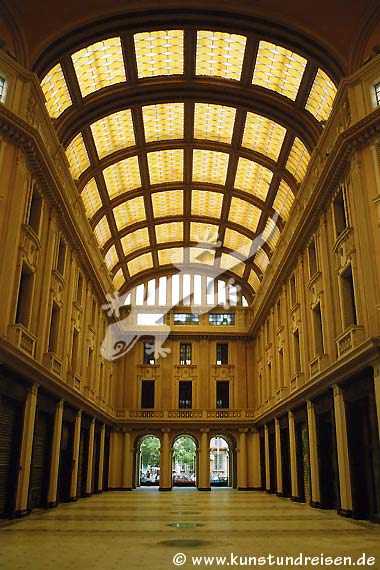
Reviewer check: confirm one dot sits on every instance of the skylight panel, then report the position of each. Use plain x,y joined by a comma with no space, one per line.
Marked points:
321,96
129,212
99,65
165,166
254,280
56,92
204,233
118,280
206,203
172,231
111,258
263,135
164,121
271,234
202,255
278,69
167,202
159,53
220,54
253,178
284,200
140,263
261,260
214,122
244,213
298,160
237,242
77,156
102,231
91,198
122,176
231,263
113,132
173,255
135,240
210,166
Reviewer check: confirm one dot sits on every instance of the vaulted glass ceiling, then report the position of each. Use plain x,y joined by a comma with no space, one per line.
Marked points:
203,171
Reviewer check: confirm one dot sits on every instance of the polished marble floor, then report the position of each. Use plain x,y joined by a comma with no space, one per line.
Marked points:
146,529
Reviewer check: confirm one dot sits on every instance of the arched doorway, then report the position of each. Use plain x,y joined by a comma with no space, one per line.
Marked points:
149,461
184,463
221,472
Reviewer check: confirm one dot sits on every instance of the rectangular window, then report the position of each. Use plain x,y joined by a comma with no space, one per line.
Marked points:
221,319
90,365
2,88
297,352
25,293
222,353
74,350
312,255
281,366
147,394
340,213
293,291
54,328
279,317
377,93
318,331
185,394
61,257
185,353
149,353
79,289
222,394
35,210
93,311
186,319
348,299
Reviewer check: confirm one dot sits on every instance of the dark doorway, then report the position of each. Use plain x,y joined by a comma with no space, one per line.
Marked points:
272,459
41,457
285,462
11,417
66,462
299,429
262,460
327,459
83,460
147,394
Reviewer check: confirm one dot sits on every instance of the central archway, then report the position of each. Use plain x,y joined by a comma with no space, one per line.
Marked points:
149,461
221,462
184,464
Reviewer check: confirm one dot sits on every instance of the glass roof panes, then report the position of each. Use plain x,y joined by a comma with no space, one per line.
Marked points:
210,166
172,231
113,132
118,281
163,121
172,255
271,234
111,258
298,160
202,255
204,233
237,242
231,263
253,280
77,156
165,166
102,231
220,54
244,213
159,53
55,90
321,96
168,202
284,200
214,122
122,176
253,178
99,65
129,212
140,263
278,69
263,135
135,240
91,198
261,260
206,203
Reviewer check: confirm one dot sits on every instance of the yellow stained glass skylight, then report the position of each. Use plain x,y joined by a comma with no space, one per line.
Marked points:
278,69
271,234
111,258
165,166
298,160
231,263
244,213
214,122
91,198
135,240
321,96
210,166
204,233
263,135
77,156
102,231
206,203
237,242
118,281
113,132
167,202
220,54
56,92
129,212
172,231
164,121
172,255
284,200
122,176
99,65
253,178
253,280
140,263
261,259
202,255
159,53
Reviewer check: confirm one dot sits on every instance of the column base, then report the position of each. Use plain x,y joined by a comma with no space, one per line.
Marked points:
315,504
165,488
98,491
21,513
204,488
52,504
72,499
280,494
249,488
270,491
297,500
347,513
119,489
